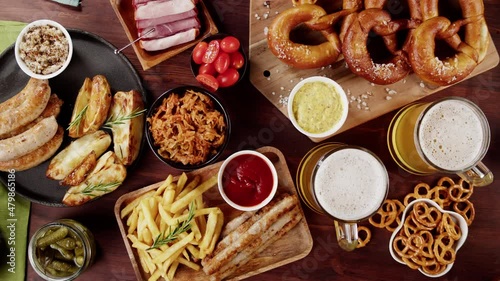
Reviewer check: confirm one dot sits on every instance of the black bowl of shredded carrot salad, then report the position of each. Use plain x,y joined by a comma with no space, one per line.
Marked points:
187,128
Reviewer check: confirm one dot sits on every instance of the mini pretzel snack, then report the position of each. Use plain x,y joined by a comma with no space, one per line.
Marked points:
364,236
429,238
434,225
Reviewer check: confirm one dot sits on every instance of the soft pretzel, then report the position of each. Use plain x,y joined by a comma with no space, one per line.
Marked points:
469,52
355,49
296,54
314,17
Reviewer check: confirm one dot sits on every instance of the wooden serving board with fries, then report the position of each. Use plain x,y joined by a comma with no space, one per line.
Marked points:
274,79
296,244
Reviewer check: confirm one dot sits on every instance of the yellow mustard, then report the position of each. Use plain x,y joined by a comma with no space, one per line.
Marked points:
317,107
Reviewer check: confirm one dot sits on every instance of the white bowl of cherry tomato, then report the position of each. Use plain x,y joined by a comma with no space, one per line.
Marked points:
218,61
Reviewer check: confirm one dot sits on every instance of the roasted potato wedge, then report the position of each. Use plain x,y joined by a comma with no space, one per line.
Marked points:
99,103
80,173
73,155
127,132
91,106
107,175
75,129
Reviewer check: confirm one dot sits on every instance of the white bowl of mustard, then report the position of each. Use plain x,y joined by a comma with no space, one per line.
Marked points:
317,107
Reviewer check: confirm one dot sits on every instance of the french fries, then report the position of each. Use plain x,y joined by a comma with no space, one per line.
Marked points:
171,227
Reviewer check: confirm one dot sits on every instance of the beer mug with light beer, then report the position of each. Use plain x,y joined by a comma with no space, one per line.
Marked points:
450,135
347,183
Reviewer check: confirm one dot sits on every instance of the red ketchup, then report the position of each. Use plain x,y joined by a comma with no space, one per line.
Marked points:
247,180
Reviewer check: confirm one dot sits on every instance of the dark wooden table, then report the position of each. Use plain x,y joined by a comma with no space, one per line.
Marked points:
479,259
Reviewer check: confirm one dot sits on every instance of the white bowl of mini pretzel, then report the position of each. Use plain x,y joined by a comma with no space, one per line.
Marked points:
428,238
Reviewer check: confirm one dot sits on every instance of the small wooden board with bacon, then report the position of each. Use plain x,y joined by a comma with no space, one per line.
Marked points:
169,27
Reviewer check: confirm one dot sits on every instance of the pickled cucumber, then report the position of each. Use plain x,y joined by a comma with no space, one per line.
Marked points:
53,237
60,252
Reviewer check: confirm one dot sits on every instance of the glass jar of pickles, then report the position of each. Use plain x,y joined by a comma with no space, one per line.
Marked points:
61,250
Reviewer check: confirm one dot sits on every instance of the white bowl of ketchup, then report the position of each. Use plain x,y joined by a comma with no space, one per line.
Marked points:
247,180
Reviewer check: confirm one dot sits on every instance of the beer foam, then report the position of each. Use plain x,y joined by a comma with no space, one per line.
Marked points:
451,135
350,184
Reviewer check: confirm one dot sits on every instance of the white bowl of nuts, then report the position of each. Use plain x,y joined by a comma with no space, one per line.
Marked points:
43,49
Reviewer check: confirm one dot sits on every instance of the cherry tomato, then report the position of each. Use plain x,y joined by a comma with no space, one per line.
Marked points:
222,62
199,52
207,68
228,78
237,60
212,52
208,81
230,44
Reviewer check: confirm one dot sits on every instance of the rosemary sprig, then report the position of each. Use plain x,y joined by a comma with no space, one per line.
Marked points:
103,187
78,118
118,120
164,238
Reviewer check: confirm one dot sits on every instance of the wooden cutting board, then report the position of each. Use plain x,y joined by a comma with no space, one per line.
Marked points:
294,245
274,79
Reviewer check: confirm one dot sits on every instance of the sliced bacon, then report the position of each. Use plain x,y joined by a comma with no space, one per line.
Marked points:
169,41
171,28
137,3
145,23
157,9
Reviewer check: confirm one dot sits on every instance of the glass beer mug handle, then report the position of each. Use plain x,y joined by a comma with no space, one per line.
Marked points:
347,235
478,175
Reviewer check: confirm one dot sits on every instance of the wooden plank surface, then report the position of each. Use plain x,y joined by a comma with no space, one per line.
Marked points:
274,79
